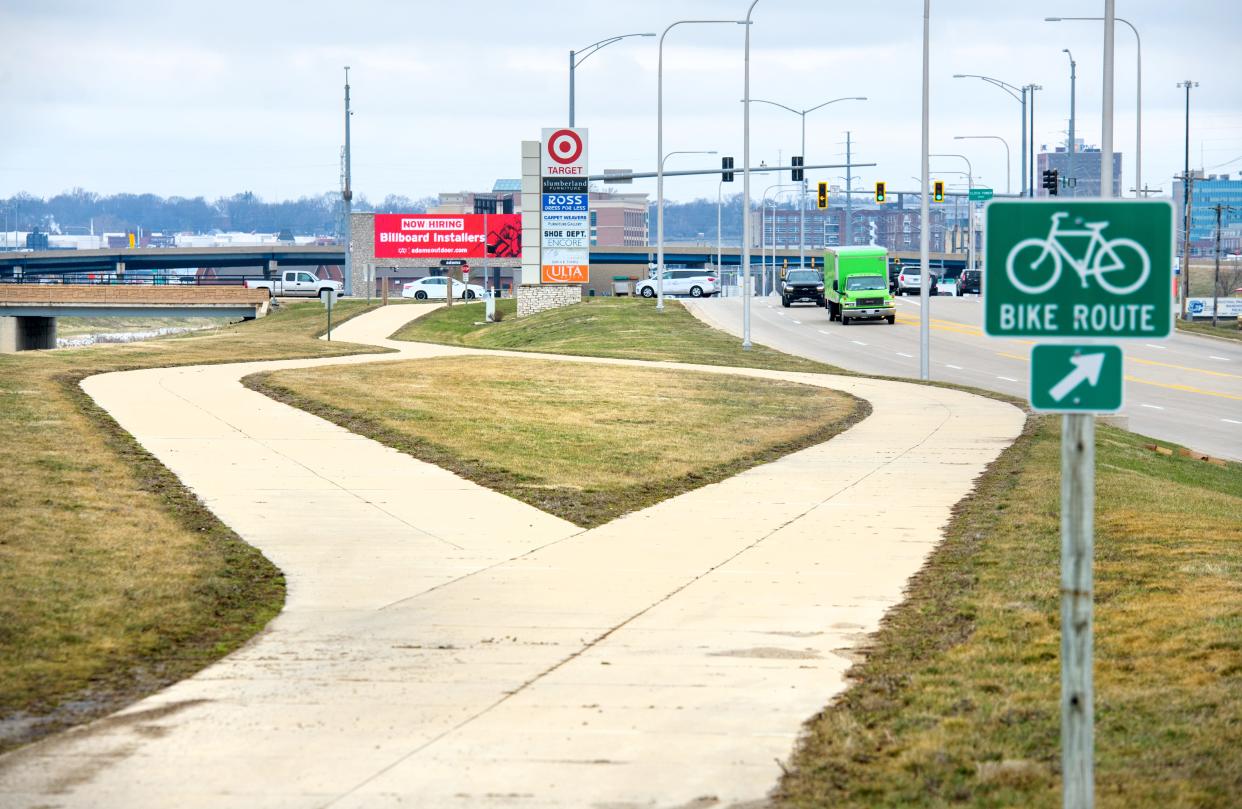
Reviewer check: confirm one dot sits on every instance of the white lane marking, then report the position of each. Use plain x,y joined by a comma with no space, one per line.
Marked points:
821,331
954,367
1152,407
1214,357
1153,345
799,322
858,342
914,303
900,354
1231,421
1007,378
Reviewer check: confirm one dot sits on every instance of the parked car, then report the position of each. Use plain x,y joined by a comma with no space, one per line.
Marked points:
695,283
802,285
970,283
297,283
433,288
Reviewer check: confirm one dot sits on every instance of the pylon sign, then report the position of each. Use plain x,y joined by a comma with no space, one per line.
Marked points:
1070,269
564,211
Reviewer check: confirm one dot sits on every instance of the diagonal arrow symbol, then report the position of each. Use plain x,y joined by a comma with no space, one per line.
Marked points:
1087,368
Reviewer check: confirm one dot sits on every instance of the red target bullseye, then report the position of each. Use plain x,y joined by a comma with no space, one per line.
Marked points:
564,146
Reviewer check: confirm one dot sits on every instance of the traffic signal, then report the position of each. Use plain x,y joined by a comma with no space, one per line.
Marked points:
726,169
797,171
821,199
938,191
879,192
1051,182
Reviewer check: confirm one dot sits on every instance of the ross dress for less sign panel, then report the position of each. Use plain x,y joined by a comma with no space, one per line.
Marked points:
448,236
565,217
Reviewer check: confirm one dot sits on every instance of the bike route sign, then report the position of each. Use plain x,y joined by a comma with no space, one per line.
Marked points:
1078,269
1076,378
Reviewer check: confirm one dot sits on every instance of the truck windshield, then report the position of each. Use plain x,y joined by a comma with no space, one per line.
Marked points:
803,277
864,282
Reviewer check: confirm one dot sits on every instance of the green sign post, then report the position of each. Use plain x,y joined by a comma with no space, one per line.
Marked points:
1076,378
980,194
1067,269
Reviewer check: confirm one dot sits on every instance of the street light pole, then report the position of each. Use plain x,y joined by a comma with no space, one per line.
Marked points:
970,207
992,137
924,213
660,237
1188,84
1073,81
1030,165
347,196
1138,104
746,182
802,203
579,56
660,153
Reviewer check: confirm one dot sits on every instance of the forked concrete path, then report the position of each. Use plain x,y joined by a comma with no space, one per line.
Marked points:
445,646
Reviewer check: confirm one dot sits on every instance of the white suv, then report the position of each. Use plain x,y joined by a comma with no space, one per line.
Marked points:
695,283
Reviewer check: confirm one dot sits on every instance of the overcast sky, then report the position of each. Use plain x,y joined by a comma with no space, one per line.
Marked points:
189,99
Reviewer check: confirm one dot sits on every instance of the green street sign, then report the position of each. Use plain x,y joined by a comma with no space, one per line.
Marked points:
1070,269
1076,378
980,194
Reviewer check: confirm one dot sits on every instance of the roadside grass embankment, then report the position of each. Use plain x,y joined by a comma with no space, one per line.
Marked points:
114,580
1227,328
622,328
586,442
957,699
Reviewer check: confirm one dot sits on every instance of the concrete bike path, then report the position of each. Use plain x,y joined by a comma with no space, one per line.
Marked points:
443,645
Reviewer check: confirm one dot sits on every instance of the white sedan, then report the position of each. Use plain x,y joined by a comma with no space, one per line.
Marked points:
434,288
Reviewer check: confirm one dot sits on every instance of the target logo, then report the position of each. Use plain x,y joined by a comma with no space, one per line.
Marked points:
565,152
565,146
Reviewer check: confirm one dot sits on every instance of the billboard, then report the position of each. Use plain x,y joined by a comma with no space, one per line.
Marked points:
438,236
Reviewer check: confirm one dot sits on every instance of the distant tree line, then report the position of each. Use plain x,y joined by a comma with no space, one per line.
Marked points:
77,210
696,220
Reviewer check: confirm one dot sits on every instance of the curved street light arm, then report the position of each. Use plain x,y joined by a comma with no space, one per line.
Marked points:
773,103
580,56
835,100
1004,85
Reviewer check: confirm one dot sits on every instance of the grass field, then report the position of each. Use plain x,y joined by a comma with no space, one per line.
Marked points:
114,580
78,326
584,442
627,328
958,701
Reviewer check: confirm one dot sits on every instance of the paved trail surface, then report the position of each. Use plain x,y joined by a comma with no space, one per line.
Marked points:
446,646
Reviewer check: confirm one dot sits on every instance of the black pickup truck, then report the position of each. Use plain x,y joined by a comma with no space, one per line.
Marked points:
802,285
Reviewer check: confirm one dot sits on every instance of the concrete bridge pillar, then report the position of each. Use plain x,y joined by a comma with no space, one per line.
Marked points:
26,334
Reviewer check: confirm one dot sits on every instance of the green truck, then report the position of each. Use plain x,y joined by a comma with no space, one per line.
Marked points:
856,284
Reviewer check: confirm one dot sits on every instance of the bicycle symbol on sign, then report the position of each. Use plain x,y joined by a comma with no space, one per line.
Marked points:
1124,259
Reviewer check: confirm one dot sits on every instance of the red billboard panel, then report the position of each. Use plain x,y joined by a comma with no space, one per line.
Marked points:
471,235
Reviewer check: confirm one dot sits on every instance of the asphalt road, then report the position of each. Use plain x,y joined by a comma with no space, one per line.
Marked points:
1186,389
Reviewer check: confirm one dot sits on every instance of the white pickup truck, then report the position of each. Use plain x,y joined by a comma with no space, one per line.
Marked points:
296,283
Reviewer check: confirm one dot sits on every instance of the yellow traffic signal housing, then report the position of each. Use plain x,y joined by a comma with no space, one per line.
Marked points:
938,191
821,200
879,192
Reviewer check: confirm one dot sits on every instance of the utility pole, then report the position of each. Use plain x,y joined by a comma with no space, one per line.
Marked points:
347,196
849,198
1031,163
1186,183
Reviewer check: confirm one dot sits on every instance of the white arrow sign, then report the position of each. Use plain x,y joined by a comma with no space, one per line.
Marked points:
1087,368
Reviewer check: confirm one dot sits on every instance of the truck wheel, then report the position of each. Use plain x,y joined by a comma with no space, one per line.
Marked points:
845,321
784,301
421,295
891,319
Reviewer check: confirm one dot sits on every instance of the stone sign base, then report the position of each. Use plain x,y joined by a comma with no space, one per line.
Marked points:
532,299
